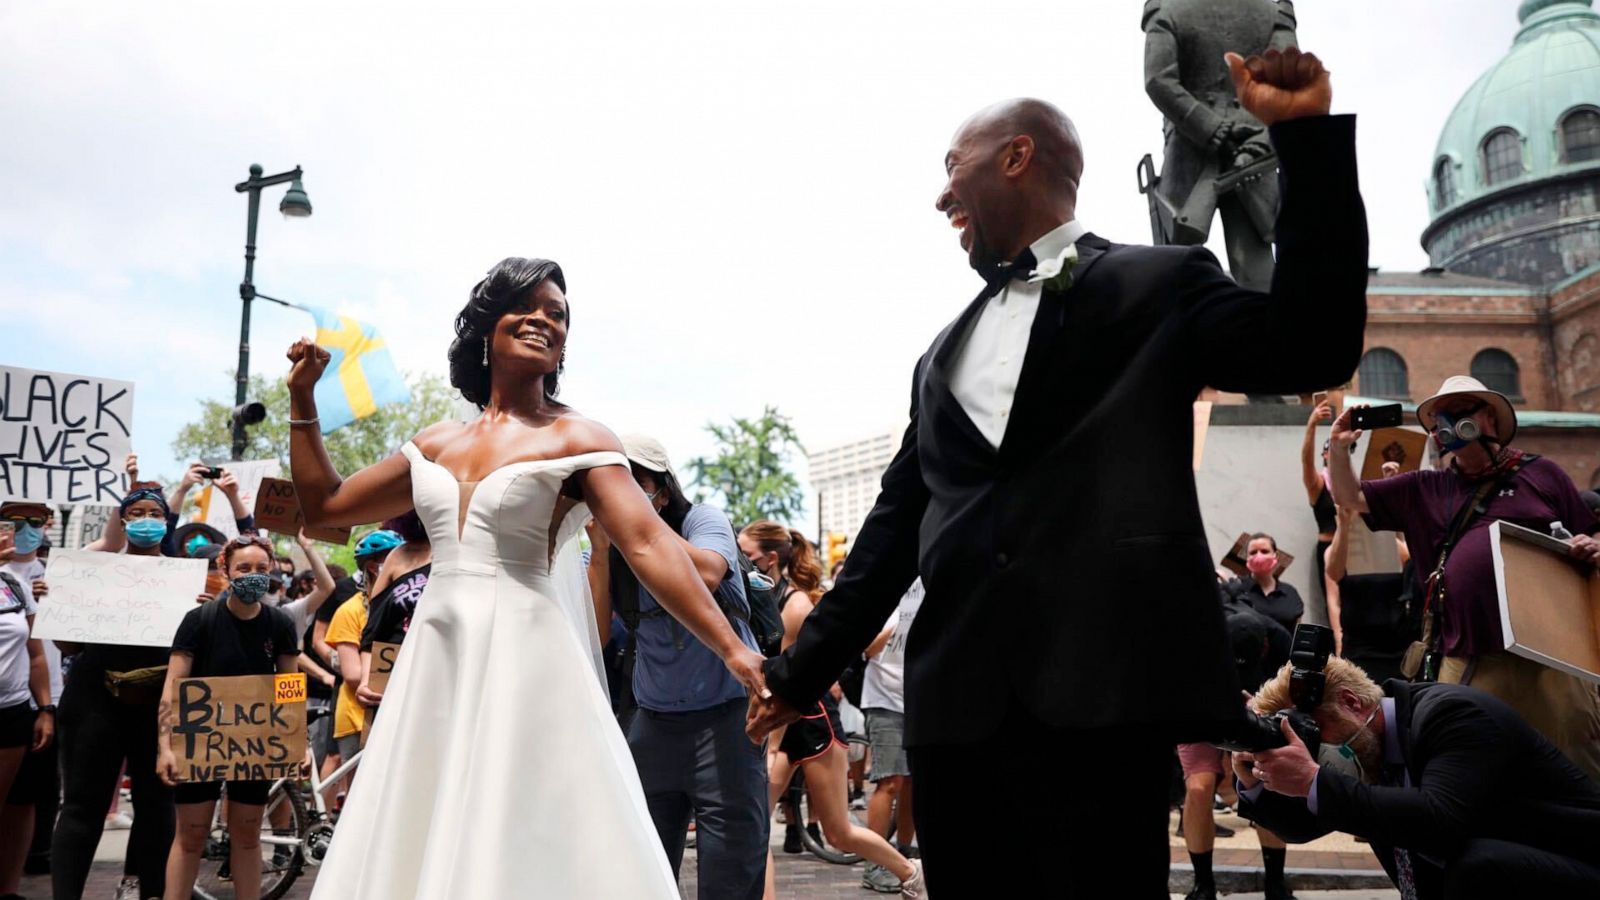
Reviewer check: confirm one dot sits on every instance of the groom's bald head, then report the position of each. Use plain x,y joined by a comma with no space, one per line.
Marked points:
1057,152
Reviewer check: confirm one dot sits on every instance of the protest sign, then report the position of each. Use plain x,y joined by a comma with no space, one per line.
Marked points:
63,438
248,474
240,728
1549,604
115,598
383,659
1401,446
278,510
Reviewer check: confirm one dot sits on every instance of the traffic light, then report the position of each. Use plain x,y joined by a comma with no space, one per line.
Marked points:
836,548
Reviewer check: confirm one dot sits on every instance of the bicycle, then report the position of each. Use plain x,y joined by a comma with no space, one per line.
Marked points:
796,796
286,849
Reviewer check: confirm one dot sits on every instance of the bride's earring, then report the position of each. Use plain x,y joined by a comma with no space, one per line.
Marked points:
486,353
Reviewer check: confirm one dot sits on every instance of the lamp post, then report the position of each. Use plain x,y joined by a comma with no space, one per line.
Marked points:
295,205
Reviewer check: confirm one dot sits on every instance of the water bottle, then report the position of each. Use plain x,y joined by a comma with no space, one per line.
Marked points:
1560,532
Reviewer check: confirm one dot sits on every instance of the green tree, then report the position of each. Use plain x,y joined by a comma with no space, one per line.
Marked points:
353,447
750,469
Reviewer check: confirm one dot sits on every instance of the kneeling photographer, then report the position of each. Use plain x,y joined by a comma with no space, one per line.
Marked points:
1459,797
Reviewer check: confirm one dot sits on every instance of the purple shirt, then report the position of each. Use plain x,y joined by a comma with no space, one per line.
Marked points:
1421,504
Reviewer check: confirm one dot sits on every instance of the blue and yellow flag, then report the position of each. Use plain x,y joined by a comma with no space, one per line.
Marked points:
361,375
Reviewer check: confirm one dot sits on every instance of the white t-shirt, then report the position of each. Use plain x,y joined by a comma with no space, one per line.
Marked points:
15,607
27,573
885,684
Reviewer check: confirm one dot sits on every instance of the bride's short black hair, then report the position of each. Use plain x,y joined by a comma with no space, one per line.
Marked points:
511,280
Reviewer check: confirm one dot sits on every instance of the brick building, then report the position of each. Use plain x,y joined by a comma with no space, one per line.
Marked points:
1513,293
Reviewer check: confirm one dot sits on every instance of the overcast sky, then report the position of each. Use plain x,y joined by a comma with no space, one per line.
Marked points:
741,194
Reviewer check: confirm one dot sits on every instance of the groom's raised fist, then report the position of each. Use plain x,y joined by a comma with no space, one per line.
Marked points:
1281,84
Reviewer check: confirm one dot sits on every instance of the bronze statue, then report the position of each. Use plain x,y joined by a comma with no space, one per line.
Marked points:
1217,155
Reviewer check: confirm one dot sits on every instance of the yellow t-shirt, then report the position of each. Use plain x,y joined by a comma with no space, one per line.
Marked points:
348,714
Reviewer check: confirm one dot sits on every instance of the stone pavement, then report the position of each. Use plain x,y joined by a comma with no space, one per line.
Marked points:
806,877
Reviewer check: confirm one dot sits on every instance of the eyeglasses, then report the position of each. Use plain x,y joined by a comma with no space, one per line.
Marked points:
35,521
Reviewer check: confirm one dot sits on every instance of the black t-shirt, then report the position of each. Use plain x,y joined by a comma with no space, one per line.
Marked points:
343,590
1283,605
235,646
389,614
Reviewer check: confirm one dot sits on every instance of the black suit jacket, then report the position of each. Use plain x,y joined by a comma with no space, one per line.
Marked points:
1477,771
1069,569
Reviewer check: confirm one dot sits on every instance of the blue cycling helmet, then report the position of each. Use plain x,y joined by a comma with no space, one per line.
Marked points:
377,542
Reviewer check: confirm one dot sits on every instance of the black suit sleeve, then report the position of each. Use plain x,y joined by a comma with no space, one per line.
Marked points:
1316,312
881,567
1286,817
1467,762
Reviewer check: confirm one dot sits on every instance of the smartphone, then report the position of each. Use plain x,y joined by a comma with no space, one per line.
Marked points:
1319,398
213,473
8,535
1369,417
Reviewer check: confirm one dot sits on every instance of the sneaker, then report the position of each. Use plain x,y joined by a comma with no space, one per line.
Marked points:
791,839
127,889
859,801
1201,893
911,852
879,879
1279,892
117,821
816,833
914,887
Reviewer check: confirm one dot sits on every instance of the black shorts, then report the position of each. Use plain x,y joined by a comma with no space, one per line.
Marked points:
16,725
250,793
35,780
810,736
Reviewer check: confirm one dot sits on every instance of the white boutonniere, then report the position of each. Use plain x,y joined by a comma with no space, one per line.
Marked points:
1056,273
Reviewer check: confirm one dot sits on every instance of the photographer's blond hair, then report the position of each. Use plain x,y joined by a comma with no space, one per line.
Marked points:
1341,675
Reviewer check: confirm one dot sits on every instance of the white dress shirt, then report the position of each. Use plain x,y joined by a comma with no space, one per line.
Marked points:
984,377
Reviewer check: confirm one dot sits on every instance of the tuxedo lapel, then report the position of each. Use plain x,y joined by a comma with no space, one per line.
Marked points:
1054,307
938,396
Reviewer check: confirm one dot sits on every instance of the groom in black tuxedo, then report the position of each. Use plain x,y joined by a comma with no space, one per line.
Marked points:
1070,632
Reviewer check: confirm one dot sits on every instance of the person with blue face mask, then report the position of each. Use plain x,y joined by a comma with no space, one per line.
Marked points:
231,636
100,731
1458,796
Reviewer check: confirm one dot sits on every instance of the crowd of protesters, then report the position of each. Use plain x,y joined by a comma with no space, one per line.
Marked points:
76,719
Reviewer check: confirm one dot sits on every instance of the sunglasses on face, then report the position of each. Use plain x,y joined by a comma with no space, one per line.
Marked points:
34,521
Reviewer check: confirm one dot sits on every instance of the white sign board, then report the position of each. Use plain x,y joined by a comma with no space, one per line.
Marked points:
249,474
63,438
115,598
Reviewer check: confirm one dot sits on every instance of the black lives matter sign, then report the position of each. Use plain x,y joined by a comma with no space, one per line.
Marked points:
63,438
240,728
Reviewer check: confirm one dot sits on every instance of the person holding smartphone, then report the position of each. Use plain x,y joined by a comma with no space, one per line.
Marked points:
1445,515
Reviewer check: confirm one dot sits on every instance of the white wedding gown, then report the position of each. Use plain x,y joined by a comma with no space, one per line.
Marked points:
495,769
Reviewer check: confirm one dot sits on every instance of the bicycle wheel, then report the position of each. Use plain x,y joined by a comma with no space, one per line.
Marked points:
281,861
820,849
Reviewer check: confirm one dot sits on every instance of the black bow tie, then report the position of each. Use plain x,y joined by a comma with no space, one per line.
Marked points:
999,274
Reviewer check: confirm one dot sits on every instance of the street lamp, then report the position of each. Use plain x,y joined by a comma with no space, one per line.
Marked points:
295,205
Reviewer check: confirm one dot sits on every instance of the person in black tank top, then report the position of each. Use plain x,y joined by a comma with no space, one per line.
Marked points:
1318,489
812,743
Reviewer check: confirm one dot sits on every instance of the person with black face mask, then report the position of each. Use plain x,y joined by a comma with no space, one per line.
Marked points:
234,635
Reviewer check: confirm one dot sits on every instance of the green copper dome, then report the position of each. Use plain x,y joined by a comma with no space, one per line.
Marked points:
1533,116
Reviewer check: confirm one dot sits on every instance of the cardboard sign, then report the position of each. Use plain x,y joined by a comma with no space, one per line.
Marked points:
1549,604
238,728
1399,445
1234,559
115,598
278,510
63,438
383,659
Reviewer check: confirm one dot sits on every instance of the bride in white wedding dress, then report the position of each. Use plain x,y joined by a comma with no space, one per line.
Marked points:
495,769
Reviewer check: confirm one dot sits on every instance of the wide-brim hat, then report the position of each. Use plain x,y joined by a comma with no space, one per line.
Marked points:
647,453
1505,415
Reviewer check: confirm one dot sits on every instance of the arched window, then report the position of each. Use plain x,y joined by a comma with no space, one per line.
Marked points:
1383,375
1580,135
1444,182
1502,156
1498,371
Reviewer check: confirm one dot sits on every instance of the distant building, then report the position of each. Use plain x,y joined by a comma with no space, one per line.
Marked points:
1513,294
846,479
